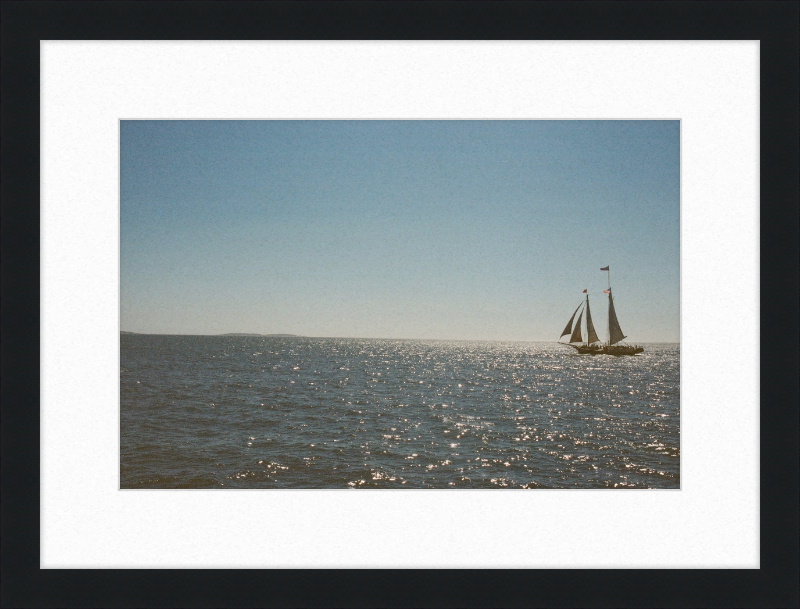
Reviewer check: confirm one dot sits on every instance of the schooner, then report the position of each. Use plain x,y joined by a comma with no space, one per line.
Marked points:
592,345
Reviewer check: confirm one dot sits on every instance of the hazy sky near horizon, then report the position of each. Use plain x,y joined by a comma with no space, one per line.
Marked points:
399,229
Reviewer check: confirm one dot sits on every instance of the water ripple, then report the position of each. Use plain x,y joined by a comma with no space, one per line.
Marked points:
263,412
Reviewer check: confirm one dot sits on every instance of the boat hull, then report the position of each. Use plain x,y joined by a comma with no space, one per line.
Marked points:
615,350
587,349
622,349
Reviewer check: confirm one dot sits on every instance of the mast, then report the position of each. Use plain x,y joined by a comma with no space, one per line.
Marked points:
608,276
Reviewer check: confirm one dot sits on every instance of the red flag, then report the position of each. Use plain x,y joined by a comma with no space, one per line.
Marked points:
605,268
584,291
606,291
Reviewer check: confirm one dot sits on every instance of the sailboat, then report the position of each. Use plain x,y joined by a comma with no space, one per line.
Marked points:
592,345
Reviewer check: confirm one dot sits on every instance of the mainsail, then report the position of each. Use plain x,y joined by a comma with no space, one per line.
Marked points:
614,331
576,333
590,326
568,328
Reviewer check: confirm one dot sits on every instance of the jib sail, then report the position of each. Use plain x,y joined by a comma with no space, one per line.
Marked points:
576,333
568,328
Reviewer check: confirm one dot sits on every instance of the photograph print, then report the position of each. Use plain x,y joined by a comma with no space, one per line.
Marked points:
399,304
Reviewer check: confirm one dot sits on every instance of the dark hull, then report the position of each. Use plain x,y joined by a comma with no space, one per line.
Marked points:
615,350
622,349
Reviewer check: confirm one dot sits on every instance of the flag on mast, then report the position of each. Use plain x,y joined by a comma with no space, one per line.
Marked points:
584,291
605,268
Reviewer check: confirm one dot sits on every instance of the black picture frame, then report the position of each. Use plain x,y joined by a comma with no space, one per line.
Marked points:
775,24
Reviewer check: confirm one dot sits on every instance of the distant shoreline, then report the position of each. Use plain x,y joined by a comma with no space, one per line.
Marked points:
449,340
227,334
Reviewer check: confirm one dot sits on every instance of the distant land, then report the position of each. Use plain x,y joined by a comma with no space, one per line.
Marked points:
229,334
450,340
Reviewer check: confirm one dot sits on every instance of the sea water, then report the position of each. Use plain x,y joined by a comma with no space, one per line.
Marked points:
247,412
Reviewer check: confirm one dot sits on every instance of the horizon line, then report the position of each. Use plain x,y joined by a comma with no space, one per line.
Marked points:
286,335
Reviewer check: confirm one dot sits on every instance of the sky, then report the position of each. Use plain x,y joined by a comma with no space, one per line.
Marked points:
454,230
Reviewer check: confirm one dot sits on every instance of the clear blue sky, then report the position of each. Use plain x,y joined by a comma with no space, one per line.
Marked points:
399,229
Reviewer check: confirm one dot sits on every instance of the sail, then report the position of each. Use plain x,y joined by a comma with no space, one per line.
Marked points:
576,333
614,331
592,338
568,328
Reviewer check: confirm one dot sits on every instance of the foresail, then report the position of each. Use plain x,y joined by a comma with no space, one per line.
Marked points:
568,328
590,326
576,333
615,332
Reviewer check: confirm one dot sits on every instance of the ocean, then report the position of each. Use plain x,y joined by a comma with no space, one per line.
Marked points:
252,412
